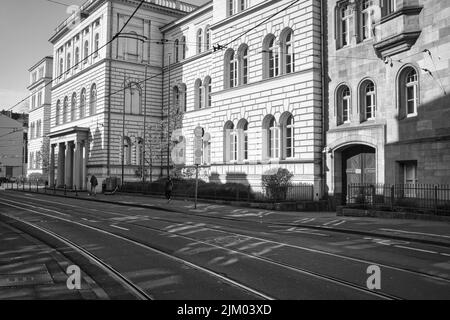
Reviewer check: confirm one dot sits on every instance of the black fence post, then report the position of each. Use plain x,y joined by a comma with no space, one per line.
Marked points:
392,196
436,199
76,192
37,186
54,188
29,185
65,189
373,194
248,193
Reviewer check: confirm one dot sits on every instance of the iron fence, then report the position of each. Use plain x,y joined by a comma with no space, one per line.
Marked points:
231,192
414,197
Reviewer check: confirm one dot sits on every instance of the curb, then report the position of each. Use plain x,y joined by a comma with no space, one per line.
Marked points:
340,230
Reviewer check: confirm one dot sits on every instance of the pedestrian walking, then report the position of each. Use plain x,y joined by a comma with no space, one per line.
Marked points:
94,184
169,188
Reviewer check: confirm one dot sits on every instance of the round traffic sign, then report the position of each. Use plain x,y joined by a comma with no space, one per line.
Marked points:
199,132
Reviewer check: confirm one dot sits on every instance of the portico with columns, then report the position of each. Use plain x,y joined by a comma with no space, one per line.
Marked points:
69,150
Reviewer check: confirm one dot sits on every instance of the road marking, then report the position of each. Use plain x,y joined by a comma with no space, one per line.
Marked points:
330,222
416,249
445,254
425,234
114,226
339,223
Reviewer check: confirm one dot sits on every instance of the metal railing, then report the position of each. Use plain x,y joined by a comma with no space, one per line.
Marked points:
414,197
231,192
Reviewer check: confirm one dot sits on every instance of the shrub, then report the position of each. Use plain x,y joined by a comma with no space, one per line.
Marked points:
33,177
276,183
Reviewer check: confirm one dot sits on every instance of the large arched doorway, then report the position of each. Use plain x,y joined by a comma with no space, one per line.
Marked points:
358,165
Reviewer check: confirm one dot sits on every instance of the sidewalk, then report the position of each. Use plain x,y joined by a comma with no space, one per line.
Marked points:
429,232
31,270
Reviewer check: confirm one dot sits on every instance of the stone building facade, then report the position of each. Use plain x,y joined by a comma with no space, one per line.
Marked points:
256,95
39,114
389,110
99,96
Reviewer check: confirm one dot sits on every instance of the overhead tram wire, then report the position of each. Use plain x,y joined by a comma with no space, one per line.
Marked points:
85,58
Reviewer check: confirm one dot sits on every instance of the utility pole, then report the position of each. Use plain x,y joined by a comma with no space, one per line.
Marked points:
168,127
145,124
123,127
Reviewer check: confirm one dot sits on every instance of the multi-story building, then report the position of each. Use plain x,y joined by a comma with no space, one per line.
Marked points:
99,96
13,144
389,110
247,72
39,114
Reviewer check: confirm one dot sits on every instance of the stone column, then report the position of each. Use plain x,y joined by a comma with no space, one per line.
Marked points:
61,165
84,161
51,171
68,164
77,181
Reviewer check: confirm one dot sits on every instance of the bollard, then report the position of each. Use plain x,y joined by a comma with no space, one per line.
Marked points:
37,186
76,192
248,193
392,197
54,188
65,190
29,185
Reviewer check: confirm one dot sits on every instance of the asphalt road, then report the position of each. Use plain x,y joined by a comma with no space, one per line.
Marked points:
168,255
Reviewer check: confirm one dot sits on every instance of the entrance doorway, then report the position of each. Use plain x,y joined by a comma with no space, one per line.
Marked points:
358,166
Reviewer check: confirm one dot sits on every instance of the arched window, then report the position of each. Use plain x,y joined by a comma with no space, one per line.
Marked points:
367,101
58,112
139,152
133,99
274,139
126,151
176,50
82,103
270,58
86,50
231,142
96,43
243,64
65,109
287,124
183,97
343,104
183,47
412,92
231,69
176,98
199,41
93,100
73,106
242,140
207,38
288,51
199,98
408,92
77,56
207,85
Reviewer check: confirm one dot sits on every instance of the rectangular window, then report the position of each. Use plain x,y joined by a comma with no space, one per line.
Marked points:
345,26
41,72
33,101
366,19
233,146
370,106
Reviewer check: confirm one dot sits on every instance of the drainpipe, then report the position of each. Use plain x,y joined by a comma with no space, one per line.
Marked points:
323,51
108,161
